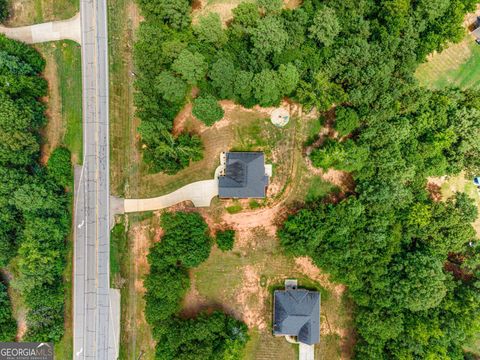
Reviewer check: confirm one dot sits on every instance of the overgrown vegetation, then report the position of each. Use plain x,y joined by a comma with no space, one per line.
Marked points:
8,326
3,10
34,207
185,244
225,239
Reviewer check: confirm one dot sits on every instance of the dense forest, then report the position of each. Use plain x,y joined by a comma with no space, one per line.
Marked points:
185,244
410,262
34,204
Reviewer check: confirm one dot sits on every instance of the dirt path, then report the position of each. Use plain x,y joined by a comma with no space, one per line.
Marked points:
54,131
50,31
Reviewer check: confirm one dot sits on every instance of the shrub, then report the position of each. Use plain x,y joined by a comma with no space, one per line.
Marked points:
60,166
3,10
207,110
346,120
225,239
8,326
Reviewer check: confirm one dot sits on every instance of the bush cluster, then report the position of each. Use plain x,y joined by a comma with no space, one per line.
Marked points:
185,244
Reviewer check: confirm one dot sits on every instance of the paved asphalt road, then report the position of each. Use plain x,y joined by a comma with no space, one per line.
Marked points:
92,311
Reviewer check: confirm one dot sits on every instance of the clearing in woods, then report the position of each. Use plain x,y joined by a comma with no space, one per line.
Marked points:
457,65
239,281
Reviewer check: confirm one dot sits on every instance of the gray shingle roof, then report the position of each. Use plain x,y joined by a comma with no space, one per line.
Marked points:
244,176
297,313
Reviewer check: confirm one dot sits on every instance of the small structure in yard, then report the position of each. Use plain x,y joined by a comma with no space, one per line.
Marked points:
296,314
476,30
243,175
280,117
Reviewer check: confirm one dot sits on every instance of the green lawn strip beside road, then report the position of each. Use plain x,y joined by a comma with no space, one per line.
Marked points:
66,55
69,66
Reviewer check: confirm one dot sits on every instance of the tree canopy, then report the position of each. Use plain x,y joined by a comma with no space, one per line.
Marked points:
34,206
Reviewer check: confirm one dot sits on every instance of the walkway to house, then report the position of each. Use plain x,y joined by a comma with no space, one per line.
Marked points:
200,193
50,31
306,352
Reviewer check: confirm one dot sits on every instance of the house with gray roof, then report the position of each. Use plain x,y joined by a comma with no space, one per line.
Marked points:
296,314
244,175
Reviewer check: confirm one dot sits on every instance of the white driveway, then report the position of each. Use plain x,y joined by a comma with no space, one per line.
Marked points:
50,31
200,193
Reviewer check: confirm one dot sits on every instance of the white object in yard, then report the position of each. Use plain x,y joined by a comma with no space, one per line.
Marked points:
280,117
306,352
268,170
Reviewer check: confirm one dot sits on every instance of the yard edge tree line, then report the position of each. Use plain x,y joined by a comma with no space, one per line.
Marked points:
34,204
411,263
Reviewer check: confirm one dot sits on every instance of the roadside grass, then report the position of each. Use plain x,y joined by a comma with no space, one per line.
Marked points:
118,243
65,99
458,65
64,348
125,159
135,334
28,12
241,281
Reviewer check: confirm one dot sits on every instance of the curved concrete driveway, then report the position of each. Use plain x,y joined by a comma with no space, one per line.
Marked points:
50,31
200,193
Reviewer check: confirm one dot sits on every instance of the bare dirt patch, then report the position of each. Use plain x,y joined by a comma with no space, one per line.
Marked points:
54,131
194,302
251,296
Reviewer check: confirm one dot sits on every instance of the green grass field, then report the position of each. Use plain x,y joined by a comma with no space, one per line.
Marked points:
458,65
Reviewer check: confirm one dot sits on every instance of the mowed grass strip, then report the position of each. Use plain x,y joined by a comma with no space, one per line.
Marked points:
458,65
65,97
125,159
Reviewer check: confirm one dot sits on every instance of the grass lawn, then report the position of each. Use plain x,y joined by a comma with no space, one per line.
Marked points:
458,65
64,110
123,19
241,282
28,12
